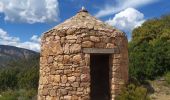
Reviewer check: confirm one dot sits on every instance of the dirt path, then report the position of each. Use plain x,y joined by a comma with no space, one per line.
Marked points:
161,90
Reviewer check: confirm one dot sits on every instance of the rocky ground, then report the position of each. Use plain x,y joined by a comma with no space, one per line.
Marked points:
161,90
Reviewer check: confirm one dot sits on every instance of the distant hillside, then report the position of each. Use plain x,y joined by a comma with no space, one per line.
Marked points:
11,53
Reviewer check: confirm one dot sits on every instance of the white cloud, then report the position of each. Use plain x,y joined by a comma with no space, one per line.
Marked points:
1,7
30,11
32,44
121,5
127,19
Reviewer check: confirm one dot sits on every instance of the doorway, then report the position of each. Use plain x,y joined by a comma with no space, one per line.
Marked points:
99,72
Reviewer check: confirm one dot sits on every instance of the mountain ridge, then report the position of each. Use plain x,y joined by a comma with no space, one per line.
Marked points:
12,53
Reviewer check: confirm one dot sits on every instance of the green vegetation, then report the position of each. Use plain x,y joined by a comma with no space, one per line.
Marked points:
149,49
19,80
21,94
149,57
167,77
132,92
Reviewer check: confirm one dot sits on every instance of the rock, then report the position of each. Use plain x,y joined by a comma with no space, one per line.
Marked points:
66,48
70,31
63,92
85,78
75,84
66,59
64,79
110,45
87,59
94,39
72,78
57,37
56,48
75,48
45,92
53,93
67,97
71,37
57,78
87,44
50,59
77,59
59,58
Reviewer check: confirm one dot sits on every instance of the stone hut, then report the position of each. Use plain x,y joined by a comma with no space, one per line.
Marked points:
83,59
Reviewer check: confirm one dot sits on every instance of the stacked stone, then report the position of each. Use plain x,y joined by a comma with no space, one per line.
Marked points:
65,69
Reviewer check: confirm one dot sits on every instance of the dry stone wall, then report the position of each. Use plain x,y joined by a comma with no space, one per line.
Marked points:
65,69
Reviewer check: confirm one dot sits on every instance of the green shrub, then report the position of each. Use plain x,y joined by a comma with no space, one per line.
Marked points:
21,94
132,92
167,77
9,95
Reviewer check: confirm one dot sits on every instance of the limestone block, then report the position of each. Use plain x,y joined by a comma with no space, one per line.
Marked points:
94,39
75,84
87,44
67,97
66,48
53,93
63,92
85,78
72,78
110,45
71,37
50,59
77,58
66,59
75,48
64,79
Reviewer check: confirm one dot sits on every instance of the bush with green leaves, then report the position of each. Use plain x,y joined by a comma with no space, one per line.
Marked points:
21,94
132,92
149,49
167,77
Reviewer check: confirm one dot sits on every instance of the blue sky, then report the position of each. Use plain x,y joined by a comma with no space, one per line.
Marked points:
22,22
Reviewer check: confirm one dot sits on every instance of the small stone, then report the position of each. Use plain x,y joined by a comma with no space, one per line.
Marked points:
57,37
74,97
50,59
72,78
75,48
87,44
56,48
110,45
66,48
59,58
67,97
45,92
66,59
71,37
64,79
94,39
85,78
53,93
57,78
63,92
70,31
77,58
75,84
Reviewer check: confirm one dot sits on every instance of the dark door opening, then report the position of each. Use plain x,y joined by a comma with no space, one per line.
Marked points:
99,71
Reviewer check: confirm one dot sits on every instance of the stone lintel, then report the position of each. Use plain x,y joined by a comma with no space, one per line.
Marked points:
100,50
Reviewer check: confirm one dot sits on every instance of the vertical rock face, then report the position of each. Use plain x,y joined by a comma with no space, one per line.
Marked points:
65,68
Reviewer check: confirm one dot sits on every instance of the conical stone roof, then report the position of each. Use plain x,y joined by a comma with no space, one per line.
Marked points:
83,20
